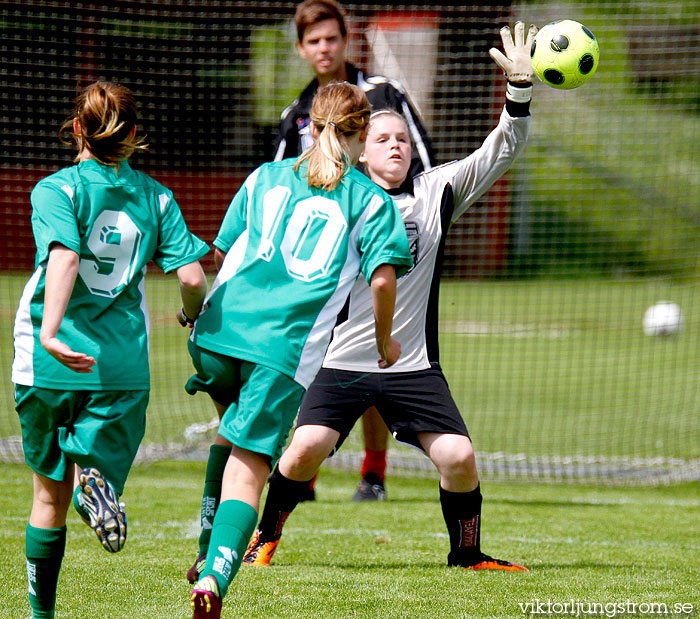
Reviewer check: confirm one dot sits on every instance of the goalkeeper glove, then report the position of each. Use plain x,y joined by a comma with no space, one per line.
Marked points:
516,61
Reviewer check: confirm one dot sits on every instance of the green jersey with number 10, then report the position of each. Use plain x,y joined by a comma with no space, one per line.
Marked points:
116,221
293,253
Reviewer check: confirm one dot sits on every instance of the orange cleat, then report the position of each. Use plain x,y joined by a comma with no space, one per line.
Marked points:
260,550
485,562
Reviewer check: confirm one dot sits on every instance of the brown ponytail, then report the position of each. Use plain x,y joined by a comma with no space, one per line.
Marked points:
107,116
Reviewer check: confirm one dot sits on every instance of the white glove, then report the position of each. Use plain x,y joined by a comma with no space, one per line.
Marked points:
516,61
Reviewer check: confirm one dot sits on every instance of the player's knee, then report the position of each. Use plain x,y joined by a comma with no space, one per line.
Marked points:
301,465
314,440
458,460
465,462
52,502
307,452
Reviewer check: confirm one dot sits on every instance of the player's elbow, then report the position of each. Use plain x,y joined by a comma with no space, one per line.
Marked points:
192,278
219,257
384,279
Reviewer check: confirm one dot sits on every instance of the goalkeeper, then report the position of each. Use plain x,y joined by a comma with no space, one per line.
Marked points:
412,396
323,42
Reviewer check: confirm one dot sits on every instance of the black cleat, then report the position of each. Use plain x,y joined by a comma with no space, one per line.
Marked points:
371,488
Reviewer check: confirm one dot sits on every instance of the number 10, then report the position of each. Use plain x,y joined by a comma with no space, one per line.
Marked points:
313,235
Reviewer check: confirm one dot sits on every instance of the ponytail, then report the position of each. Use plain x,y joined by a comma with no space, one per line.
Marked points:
107,116
338,109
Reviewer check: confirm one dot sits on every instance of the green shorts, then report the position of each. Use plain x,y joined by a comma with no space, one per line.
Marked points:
262,403
91,428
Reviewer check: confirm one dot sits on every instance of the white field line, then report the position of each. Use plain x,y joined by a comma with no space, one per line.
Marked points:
474,328
190,530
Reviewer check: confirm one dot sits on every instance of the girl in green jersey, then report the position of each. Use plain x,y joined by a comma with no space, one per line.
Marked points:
81,340
294,240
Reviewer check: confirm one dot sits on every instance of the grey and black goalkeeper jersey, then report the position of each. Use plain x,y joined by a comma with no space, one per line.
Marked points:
439,197
294,135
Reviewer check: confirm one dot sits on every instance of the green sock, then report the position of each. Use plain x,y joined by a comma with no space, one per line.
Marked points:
233,526
44,549
78,504
218,457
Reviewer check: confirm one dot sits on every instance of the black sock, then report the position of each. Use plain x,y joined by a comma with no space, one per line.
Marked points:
462,513
282,497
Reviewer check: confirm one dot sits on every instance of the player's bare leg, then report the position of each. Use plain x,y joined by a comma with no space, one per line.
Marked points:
310,446
46,541
376,436
453,455
460,498
309,493
299,463
243,482
50,502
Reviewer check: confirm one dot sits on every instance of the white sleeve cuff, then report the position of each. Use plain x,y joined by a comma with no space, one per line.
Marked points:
518,94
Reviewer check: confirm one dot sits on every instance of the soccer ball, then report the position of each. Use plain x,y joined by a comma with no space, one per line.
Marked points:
663,318
564,54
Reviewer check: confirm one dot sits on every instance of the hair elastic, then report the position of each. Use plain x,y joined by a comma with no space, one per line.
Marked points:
332,124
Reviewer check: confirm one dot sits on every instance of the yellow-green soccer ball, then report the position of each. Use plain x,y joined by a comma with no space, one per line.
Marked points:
565,54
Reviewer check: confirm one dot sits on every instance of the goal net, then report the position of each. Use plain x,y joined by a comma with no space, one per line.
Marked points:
546,279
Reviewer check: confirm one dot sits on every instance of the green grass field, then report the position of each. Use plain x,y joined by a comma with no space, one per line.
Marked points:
345,559
543,368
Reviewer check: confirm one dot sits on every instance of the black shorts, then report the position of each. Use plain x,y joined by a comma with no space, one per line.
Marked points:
409,402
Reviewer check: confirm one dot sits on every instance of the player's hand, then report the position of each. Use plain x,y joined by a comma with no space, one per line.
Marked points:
183,319
390,353
76,361
516,61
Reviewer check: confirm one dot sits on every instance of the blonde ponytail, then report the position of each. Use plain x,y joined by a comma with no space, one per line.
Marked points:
338,109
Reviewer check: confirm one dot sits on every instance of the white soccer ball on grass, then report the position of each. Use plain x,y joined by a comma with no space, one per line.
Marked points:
663,318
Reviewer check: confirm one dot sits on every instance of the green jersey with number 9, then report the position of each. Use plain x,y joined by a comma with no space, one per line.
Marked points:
293,253
116,221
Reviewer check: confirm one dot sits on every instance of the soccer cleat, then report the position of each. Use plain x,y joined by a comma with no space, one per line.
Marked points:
107,517
205,599
196,570
260,550
371,488
484,562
